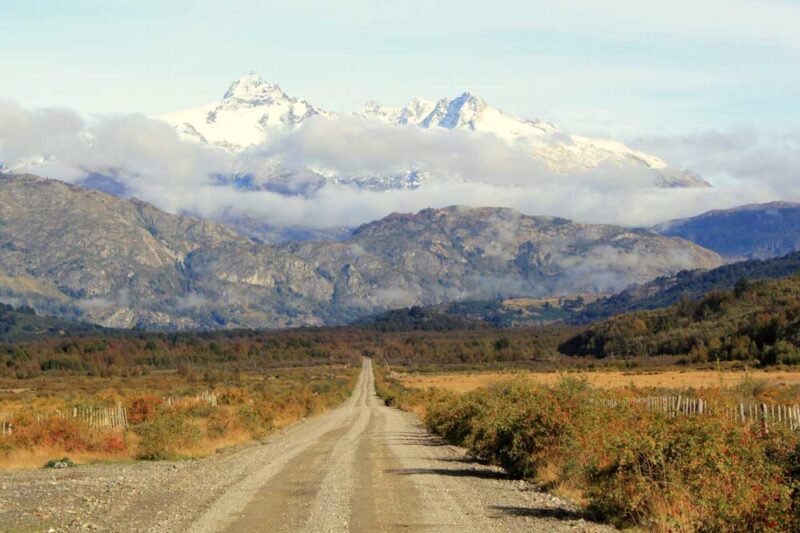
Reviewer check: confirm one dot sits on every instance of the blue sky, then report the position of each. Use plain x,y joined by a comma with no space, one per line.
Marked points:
619,67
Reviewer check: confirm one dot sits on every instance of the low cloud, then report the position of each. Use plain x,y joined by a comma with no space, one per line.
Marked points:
192,300
105,303
141,157
749,160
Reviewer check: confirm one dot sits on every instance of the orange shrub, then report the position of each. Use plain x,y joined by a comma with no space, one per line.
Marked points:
58,433
144,408
113,443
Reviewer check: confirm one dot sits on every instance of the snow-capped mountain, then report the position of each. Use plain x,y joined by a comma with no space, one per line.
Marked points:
467,111
561,152
249,111
253,110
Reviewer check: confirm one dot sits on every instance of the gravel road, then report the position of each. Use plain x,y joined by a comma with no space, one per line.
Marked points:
360,467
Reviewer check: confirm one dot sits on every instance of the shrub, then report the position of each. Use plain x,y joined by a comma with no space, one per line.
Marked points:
144,408
700,473
636,467
58,433
6,446
64,462
113,443
221,421
256,418
164,436
452,417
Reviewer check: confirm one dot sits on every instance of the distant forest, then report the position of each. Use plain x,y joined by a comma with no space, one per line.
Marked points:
755,321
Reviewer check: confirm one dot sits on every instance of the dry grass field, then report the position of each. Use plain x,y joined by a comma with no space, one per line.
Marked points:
166,415
667,379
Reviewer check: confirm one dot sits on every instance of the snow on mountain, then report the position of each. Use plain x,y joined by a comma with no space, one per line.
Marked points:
560,151
467,111
249,111
253,109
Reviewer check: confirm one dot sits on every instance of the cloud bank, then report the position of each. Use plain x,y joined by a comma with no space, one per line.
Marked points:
146,159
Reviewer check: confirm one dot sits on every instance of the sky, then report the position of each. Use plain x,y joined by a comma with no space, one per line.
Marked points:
617,67
712,86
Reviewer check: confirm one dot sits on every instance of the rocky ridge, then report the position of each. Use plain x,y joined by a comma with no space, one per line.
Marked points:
79,253
756,231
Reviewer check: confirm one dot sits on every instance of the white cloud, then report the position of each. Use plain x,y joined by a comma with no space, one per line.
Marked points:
764,164
147,157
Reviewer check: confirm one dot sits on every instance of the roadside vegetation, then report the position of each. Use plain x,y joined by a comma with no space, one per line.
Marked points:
624,463
168,416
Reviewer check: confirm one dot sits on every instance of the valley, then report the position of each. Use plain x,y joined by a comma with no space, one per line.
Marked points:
469,267
463,410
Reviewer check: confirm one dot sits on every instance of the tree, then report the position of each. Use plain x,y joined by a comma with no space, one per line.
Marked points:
741,288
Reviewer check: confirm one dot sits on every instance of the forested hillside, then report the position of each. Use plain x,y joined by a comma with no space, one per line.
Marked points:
756,321
689,284
23,324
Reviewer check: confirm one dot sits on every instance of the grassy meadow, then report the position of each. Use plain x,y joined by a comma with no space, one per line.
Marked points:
783,383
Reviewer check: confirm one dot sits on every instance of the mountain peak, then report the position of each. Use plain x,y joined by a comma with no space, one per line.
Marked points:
469,96
462,112
372,106
253,88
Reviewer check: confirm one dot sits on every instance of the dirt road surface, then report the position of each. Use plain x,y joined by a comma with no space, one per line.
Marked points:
360,467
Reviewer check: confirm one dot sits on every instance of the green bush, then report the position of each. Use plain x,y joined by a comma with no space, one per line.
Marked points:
256,418
164,436
453,417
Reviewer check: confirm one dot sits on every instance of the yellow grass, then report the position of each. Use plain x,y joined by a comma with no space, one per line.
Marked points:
672,379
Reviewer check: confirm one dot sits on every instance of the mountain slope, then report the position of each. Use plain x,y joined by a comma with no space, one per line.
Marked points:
757,231
689,284
756,321
560,152
458,253
81,253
